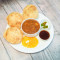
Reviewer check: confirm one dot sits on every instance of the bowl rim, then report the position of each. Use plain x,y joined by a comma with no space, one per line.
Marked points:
28,33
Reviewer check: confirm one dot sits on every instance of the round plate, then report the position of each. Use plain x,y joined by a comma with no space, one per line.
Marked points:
42,43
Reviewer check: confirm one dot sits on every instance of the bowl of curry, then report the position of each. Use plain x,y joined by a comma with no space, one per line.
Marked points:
30,27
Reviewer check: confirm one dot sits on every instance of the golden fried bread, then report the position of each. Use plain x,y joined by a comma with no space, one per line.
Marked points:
30,11
13,35
14,19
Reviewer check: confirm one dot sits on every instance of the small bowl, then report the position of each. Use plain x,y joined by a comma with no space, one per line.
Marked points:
27,34
47,31
48,23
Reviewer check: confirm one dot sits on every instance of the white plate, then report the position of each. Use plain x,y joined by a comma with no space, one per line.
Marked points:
42,43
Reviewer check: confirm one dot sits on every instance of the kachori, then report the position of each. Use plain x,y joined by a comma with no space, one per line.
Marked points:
14,19
30,11
13,35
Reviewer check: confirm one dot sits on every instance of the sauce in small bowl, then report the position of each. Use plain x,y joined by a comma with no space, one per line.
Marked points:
44,35
30,27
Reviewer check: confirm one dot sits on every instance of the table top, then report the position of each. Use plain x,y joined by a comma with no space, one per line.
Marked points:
49,8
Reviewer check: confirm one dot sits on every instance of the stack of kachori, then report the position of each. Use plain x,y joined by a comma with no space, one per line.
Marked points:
14,34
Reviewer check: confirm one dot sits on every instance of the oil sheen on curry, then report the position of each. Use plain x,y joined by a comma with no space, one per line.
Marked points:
30,26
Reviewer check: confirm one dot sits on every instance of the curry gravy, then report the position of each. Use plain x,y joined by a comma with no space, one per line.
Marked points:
30,26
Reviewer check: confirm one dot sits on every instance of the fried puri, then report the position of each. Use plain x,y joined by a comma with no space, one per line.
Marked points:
13,35
14,19
30,11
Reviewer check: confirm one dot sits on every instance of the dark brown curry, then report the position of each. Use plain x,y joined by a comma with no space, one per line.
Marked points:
44,34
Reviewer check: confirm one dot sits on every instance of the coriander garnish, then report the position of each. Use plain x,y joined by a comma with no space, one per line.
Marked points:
44,25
